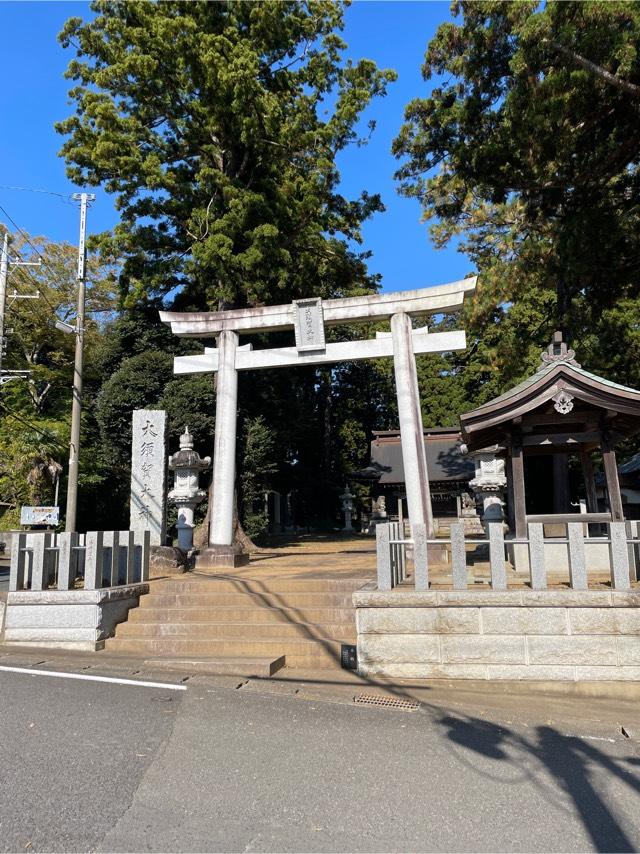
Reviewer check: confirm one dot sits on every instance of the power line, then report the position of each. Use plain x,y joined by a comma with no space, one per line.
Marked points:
28,240
66,198
13,414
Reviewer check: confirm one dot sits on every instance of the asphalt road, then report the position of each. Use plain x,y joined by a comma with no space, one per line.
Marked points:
91,766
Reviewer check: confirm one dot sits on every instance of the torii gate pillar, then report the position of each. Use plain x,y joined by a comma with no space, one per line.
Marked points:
224,453
414,459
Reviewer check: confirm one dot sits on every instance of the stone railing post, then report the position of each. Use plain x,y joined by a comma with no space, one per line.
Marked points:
141,548
537,566
18,558
94,560
40,560
383,557
67,560
577,558
126,557
620,577
420,556
496,556
458,557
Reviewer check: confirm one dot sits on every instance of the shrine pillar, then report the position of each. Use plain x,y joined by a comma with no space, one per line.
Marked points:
221,551
410,417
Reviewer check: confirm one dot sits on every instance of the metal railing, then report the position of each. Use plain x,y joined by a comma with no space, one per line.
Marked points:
66,561
622,542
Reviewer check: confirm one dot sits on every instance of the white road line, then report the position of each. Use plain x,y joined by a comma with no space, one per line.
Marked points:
90,678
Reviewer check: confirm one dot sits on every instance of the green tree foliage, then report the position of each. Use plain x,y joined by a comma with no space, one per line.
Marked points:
217,125
257,470
527,152
35,410
137,384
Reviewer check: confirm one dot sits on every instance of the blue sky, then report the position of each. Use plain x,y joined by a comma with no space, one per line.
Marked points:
392,32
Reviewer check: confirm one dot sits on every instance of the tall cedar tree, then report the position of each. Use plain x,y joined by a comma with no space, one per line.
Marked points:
528,149
217,127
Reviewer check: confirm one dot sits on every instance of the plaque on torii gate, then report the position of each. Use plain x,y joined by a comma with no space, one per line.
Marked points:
308,319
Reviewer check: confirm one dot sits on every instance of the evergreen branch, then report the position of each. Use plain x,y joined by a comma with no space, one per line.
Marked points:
598,70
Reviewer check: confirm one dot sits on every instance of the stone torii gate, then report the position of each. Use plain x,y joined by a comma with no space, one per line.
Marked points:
308,318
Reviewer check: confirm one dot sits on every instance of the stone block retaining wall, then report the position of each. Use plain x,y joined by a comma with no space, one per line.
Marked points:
516,634
72,619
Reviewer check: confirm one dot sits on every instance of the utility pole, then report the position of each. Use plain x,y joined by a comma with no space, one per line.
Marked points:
4,270
5,376
76,411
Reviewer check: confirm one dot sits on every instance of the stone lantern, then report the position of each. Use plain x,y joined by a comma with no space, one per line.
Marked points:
347,508
186,493
489,484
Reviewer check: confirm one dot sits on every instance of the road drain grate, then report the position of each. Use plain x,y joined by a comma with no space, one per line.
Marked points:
386,702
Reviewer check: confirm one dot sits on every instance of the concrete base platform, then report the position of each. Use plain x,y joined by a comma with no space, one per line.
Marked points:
214,559
68,619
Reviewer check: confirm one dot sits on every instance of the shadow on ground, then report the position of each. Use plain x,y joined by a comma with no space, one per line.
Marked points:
571,761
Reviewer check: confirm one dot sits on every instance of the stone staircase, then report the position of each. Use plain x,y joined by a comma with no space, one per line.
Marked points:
247,626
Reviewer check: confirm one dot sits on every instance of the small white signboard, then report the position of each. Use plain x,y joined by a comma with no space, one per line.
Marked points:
39,516
308,321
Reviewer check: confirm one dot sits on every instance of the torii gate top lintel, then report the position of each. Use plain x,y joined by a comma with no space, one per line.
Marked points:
272,318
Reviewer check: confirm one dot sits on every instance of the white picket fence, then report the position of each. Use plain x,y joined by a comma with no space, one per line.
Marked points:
622,541
66,561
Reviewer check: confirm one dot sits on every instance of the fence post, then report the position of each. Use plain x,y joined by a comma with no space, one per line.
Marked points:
632,530
420,557
620,579
40,560
109,558
93,560
383,557
403,554
577,561
126,541
537,566
67,560
18,556
144,553
496,556
395,554
458,556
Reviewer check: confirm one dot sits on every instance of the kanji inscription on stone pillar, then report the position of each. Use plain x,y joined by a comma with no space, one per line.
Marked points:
148,473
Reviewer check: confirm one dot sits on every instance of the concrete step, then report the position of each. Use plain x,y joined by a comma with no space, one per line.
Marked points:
345,632
245,600
299,653
222,584
259,667
236,614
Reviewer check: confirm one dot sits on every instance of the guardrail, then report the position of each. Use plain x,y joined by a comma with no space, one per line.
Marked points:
622,541
66,561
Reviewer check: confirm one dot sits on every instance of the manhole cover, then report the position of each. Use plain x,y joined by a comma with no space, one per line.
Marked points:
386,702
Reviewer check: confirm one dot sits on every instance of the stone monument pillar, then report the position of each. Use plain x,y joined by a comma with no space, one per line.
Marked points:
148,473
186,493
347,508
489,484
